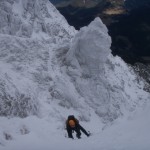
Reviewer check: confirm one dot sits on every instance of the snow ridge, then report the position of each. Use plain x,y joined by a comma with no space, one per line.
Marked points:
26,18
29,32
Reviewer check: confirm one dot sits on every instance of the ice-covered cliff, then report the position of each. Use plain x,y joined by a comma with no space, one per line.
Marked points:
48,68
29,33
105,82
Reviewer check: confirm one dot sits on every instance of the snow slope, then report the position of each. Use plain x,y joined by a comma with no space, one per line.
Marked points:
36,134
49,70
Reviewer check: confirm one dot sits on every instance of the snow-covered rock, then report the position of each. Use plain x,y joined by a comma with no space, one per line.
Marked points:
26,18
29,32
105,82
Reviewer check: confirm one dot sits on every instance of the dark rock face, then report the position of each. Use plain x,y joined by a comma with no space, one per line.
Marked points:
79,17
131,35
84,14
128,23
77,3
135,4
56,1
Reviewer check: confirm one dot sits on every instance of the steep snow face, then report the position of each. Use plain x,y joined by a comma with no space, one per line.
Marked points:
105,82
29,33
42,74
26,18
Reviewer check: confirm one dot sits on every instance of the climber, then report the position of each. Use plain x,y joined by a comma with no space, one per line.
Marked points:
72,124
